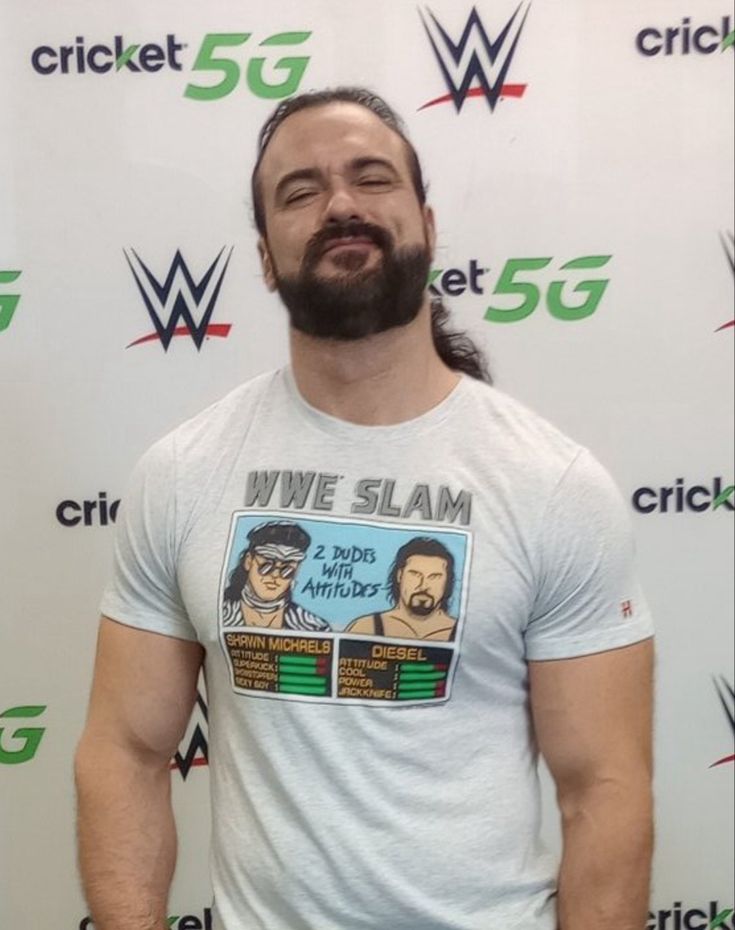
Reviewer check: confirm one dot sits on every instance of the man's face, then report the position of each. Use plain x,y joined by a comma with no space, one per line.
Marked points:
347,245
269,579
422,582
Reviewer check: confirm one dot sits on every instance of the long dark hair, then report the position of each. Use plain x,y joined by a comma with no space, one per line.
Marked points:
281,532
455,348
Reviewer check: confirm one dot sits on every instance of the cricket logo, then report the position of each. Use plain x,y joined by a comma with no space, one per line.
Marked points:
728,244
726,694
8,302
180,305
476,66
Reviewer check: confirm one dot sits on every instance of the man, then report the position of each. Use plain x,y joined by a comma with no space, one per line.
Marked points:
421,584
260,585
346,816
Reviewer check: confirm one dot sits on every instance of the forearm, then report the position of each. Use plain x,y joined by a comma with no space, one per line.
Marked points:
604,880
127,837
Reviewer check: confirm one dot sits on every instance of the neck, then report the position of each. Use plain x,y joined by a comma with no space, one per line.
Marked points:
377,381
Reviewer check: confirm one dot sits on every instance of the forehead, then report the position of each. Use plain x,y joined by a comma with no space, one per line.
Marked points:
276,561
426,563
328,137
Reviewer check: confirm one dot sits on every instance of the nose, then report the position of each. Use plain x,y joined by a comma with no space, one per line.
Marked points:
341,207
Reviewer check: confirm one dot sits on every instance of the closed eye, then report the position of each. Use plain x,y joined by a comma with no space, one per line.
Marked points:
298,196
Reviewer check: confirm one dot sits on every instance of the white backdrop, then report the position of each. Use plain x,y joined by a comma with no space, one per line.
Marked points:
596,148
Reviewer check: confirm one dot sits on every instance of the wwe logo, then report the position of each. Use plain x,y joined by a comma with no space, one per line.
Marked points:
475,60
726,694
197,751
184,304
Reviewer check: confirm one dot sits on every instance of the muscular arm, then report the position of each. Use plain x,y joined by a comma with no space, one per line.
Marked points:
593,722
143,693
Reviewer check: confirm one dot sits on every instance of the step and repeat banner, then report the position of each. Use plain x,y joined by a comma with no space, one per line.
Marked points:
580,162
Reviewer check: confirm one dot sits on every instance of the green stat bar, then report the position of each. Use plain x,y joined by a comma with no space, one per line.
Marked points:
303,675
420,680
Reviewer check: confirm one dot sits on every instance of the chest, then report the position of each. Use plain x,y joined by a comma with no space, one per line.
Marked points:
331,585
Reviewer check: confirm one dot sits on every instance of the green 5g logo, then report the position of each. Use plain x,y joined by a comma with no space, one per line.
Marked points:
31,736
592,290
8,302
229,68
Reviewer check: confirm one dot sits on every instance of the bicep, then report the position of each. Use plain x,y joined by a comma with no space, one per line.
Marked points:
143,690
593,715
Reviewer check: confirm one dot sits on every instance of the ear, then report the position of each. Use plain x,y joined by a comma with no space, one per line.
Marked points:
430,226
247,562
266,263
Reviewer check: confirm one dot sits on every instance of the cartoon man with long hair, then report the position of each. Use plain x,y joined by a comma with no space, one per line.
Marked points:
421,583
259,590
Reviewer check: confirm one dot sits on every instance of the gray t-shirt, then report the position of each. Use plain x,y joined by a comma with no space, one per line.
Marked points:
368,598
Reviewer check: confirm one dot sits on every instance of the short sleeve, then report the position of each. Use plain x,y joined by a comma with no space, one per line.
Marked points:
588,598
143,591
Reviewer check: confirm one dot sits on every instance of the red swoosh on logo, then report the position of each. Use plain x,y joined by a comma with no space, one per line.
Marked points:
725,326
214,329
507,90
200,760
723,761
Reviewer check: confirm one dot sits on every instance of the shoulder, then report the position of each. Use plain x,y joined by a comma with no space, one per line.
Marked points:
232,613
364,624
298,618
515,424
199,442
189,455
233,412
515,439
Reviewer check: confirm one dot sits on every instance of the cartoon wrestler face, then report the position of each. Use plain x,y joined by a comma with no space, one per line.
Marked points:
269,579
422,583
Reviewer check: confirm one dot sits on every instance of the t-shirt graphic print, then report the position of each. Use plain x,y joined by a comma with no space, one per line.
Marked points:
328,609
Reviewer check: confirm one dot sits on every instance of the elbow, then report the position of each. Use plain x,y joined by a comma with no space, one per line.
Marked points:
100,759
629,796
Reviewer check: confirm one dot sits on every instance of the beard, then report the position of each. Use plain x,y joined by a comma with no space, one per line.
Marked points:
356,303
421,604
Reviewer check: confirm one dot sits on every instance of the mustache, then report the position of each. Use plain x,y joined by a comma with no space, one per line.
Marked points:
320,241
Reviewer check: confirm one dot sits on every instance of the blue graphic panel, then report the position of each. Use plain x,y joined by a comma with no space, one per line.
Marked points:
349,564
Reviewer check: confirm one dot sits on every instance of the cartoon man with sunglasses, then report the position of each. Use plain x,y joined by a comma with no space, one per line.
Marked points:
259,588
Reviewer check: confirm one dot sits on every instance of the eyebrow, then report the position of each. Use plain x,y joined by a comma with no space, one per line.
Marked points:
372,161
314,174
